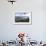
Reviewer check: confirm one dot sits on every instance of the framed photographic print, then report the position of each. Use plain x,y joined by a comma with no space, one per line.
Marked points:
23,18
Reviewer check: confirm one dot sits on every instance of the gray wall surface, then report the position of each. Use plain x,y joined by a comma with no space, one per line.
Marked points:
9,31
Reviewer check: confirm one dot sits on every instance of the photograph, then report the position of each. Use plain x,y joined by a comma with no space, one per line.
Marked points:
23,18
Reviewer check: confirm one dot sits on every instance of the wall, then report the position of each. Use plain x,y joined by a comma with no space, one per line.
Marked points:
7,11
